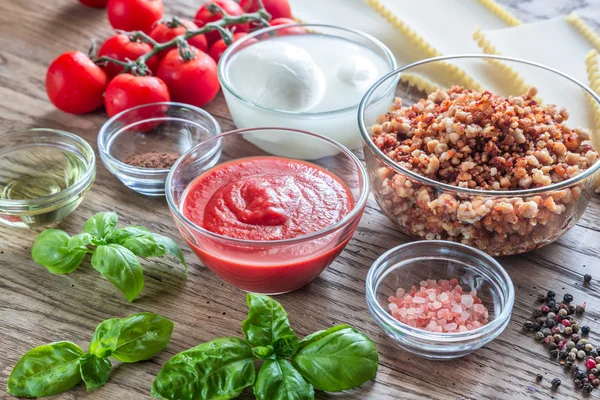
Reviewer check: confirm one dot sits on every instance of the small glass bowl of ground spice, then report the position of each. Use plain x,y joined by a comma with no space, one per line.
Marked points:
439,299
141,144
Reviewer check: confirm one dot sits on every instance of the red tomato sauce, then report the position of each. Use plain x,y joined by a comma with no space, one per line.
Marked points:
264,199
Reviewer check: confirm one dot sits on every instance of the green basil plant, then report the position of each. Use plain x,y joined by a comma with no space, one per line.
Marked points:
114,251
331,360
55,367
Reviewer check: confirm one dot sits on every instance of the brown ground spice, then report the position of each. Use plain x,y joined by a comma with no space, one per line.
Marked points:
153,159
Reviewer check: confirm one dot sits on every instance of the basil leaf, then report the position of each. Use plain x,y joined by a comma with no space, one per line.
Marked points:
267,321
46,370
51,249
263,352
279,380
94,371
218,369
286,346
101,225
105,338
142,336
120,266
337,359
79,242
144,243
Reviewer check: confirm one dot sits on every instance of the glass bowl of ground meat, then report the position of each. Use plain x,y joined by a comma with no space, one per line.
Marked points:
140,145
489,151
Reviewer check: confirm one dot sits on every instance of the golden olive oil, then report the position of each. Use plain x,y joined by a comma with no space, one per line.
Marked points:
35,172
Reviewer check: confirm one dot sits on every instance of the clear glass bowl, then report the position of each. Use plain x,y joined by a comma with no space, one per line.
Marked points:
269,266
44,175
339,125
157,127
409,264
409,199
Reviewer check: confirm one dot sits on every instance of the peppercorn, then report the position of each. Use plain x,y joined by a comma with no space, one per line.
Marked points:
591,377
597,359
578,383
549,339
555,308
562,355
570,345
540,320
550,295
541,298
574,368
567,298
539,336
581,354
590,363
580,346
539,377
580,309
574,350
568,365
549,322
585,330
555,383
554,353
557,338
566,322
583,341
545,309
594,354
575,337
587,278
579,374
587,388
596,382
553,346
588,348
571,356
546,331
562,313
536,313
568,331
551,303
571,309
555,330
536,327
528,325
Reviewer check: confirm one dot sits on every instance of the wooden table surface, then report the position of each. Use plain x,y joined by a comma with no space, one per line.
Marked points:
37,307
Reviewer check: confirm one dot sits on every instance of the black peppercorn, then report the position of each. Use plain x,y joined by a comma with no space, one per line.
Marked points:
594,371
578,346
539,377
555,383
551,303
579,374
562,355
528,325
574,367
587,278
541,298
550,295
554,353
567,298
575,337
578,383
536,327
594,354
585,330
587,388
553,346
536,313
550,323
555,308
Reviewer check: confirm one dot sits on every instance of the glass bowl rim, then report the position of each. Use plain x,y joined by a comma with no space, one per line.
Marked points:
225,83
380,313
80,186
130,169
356,209
427,181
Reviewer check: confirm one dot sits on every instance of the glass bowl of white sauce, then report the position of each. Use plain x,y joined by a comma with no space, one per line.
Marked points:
304,76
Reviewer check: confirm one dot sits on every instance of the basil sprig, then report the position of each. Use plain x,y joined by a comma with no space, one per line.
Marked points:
114,251
332,360
55,367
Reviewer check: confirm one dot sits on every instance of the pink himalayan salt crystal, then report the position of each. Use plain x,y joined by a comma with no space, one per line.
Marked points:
439,306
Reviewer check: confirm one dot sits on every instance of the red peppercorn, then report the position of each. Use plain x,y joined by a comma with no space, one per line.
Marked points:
545,309
589,364
561,344
591,377
566,322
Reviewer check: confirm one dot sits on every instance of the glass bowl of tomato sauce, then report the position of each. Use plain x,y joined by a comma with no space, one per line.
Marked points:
264,215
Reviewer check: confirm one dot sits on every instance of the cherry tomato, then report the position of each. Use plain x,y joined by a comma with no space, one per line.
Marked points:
217,49
121,48
277,8
75,84
165,31
192,82
127,90
134,15
204,16
296,30
94,3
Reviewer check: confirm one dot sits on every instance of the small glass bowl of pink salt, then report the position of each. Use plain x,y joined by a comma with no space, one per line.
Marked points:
439,299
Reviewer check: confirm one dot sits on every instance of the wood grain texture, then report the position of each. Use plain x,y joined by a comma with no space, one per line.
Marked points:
37,307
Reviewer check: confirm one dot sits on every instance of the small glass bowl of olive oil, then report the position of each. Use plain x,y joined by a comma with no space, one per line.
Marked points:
44,174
